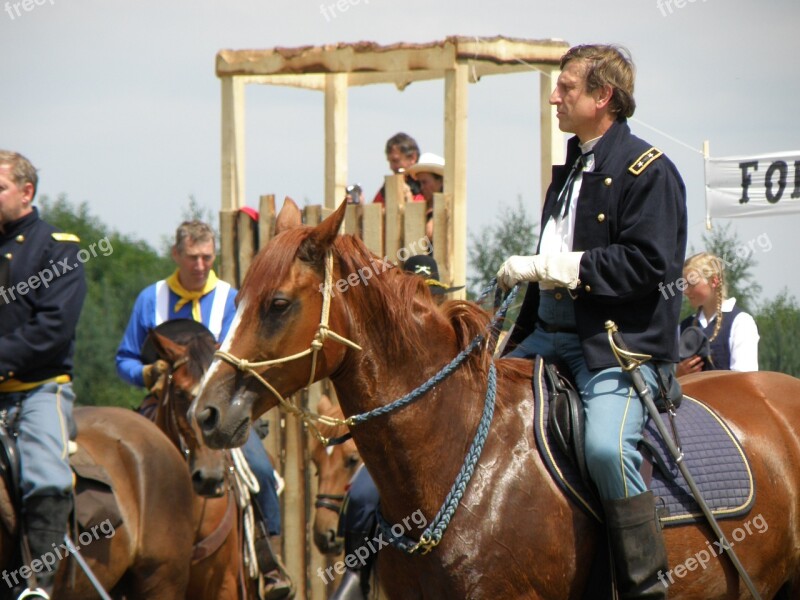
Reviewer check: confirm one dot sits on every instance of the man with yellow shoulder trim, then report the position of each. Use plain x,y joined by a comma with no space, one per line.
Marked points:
41,296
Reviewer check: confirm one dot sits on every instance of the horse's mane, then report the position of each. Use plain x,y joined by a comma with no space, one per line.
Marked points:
389,300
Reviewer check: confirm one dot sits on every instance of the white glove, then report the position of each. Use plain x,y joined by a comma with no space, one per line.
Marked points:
560,269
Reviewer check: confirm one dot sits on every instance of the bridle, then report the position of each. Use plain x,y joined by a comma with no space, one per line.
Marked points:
171,418
323,333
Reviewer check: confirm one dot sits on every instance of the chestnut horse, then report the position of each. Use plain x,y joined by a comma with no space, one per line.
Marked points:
336,466
378,336
146,555
217,566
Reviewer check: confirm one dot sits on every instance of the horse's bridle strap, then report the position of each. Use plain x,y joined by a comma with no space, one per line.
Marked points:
323,333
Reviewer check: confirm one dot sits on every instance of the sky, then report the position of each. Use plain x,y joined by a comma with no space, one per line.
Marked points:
118,105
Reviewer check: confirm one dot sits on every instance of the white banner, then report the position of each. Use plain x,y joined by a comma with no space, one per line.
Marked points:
753,186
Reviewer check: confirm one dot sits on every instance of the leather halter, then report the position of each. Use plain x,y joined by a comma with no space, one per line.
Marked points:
323,333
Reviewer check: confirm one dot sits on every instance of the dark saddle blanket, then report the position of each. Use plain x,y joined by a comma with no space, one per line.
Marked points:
95,502
713,455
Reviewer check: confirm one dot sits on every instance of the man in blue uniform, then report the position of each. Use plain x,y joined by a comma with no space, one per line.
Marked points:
614,228
194,292
41,298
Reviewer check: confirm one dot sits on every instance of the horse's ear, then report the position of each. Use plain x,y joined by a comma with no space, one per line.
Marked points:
324,233
289,217
166,348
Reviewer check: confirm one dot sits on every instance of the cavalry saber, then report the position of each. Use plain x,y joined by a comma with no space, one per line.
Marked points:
85,567
630,362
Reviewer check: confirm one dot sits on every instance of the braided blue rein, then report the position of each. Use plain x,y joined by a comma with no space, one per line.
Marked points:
443,374
433,534
435,531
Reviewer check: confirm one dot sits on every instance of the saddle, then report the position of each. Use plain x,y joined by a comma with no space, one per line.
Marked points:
713,454
93,490
565,416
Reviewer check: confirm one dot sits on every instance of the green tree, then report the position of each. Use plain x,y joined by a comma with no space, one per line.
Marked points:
117,268
514,234
779,327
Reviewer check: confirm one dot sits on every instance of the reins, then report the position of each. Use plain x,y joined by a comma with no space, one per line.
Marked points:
435,531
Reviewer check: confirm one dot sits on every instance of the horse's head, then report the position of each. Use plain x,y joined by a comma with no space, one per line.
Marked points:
188,362
336,466
284,335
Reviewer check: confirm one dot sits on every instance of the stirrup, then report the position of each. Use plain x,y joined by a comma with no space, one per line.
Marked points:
37,594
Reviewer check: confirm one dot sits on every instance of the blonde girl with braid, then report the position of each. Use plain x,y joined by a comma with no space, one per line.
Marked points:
732,333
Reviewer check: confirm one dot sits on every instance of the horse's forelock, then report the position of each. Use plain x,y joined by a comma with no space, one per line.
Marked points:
271,266
200,351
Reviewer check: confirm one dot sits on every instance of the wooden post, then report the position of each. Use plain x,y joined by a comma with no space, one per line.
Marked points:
266,219
232,143
335,138
394,204
247,243
456,82
227,247
443,250
414,228
552,139
372,227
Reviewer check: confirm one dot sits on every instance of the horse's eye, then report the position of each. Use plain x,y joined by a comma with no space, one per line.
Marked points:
279,305
352,460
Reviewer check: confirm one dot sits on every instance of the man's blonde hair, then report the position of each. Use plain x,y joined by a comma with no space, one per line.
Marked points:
22,171
607,65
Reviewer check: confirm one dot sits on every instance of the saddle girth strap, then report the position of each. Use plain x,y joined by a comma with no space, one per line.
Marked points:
211,543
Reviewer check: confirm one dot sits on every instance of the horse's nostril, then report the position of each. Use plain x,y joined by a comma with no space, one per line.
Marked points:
208,418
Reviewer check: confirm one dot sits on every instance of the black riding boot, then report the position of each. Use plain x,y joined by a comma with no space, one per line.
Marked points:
638,548
46,523
355,582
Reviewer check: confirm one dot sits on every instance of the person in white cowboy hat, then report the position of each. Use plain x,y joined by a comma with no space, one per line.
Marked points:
429,173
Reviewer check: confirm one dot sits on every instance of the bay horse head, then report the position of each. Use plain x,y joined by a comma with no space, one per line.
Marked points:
188,357
336,466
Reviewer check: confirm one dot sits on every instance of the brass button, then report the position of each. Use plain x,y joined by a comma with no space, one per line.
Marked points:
8,255
607,181
587,288
558,296
20,238
601,217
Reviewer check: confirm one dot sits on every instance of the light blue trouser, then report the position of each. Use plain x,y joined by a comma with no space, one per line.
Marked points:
267,496
614,414
45,414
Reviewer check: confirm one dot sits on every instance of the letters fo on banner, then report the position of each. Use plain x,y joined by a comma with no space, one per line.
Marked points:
752,186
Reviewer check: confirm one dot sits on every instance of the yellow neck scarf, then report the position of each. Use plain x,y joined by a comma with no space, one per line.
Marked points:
194,297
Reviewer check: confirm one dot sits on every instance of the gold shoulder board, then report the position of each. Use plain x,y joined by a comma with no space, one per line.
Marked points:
641,163
66,237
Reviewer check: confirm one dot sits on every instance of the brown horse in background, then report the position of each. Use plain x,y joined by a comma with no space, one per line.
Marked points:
514,534
336,466
217,571
146,555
